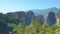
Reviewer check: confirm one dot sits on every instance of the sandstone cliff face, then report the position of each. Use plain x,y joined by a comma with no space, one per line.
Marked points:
51,18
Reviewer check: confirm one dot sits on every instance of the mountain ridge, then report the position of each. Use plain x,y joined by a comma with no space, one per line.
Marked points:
41,11
44,11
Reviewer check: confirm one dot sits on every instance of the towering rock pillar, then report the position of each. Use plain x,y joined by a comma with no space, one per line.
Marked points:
29,17
58,18
51,18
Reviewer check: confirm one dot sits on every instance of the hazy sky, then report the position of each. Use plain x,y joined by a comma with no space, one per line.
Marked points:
18,5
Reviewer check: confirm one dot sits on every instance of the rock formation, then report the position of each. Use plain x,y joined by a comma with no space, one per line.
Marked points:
22,16
51,18
17,15
29,17
58,18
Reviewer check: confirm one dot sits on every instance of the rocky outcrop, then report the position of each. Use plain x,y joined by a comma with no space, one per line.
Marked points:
22,16
29,17
51,18
14,15
58,18
17,15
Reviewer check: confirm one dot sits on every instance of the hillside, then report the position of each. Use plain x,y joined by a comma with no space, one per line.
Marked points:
4,22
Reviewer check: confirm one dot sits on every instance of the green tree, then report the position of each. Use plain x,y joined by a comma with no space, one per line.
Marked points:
31,29
58,28
20,29
38,26
53,29
45,28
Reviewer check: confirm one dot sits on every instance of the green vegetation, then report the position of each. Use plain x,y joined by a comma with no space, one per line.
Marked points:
20,28
7,23
36,28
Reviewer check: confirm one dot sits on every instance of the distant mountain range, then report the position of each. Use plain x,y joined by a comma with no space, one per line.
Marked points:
44,11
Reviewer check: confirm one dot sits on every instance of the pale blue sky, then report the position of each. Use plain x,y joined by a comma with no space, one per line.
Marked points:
18,5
